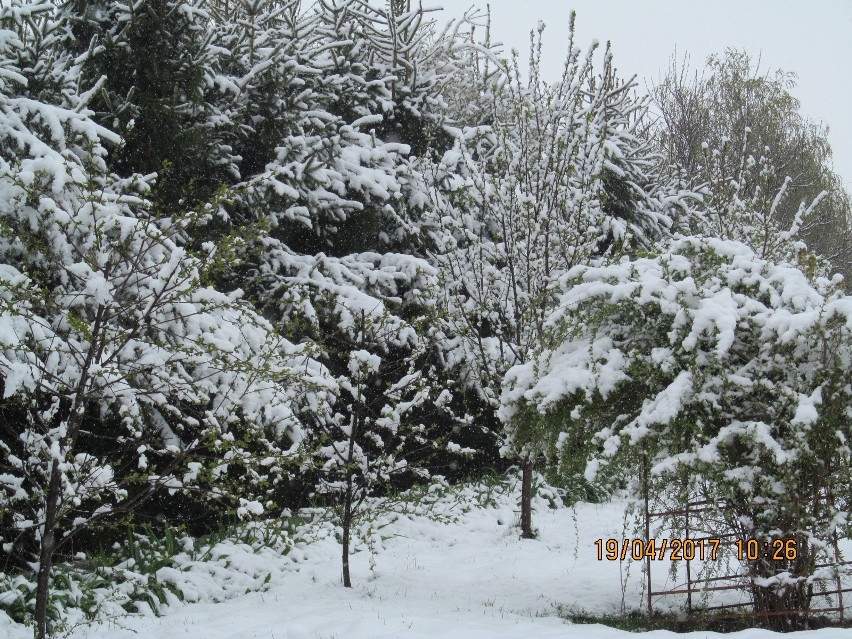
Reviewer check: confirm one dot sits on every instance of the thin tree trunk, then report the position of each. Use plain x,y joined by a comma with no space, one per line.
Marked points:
349,500
347,524
48,543
526,499
349,497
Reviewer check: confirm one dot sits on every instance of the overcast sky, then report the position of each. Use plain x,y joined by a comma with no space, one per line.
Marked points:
810,38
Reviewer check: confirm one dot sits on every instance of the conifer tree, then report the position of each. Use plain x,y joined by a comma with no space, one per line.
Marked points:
333,216
161,92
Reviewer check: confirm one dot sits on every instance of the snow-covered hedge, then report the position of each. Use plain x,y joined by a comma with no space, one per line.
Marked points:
728,372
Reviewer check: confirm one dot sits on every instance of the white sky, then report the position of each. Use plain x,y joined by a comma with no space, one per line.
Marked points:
812,38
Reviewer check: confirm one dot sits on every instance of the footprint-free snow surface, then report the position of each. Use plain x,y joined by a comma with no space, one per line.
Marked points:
418,578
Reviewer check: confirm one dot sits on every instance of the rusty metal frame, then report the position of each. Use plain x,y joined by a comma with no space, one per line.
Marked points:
738,581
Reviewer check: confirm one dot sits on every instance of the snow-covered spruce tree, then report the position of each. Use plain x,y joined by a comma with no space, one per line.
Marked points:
419,62
333,212
162,91
121,374
330,211
727,373
49,70
327,183
267,80
378,79
556,177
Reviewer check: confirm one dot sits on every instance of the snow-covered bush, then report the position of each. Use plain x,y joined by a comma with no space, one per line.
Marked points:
728,373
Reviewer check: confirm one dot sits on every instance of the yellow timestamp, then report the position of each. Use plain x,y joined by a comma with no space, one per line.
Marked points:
639,549
772,550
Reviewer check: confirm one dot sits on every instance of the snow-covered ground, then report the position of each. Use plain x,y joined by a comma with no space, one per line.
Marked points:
414,578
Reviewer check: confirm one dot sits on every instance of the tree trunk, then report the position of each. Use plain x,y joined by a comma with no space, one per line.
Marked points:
47,544
526,499
349,497
347,525
783,609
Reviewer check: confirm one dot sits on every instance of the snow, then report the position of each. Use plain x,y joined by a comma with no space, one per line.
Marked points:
108,309
464,573
667,404
720,312
806,411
